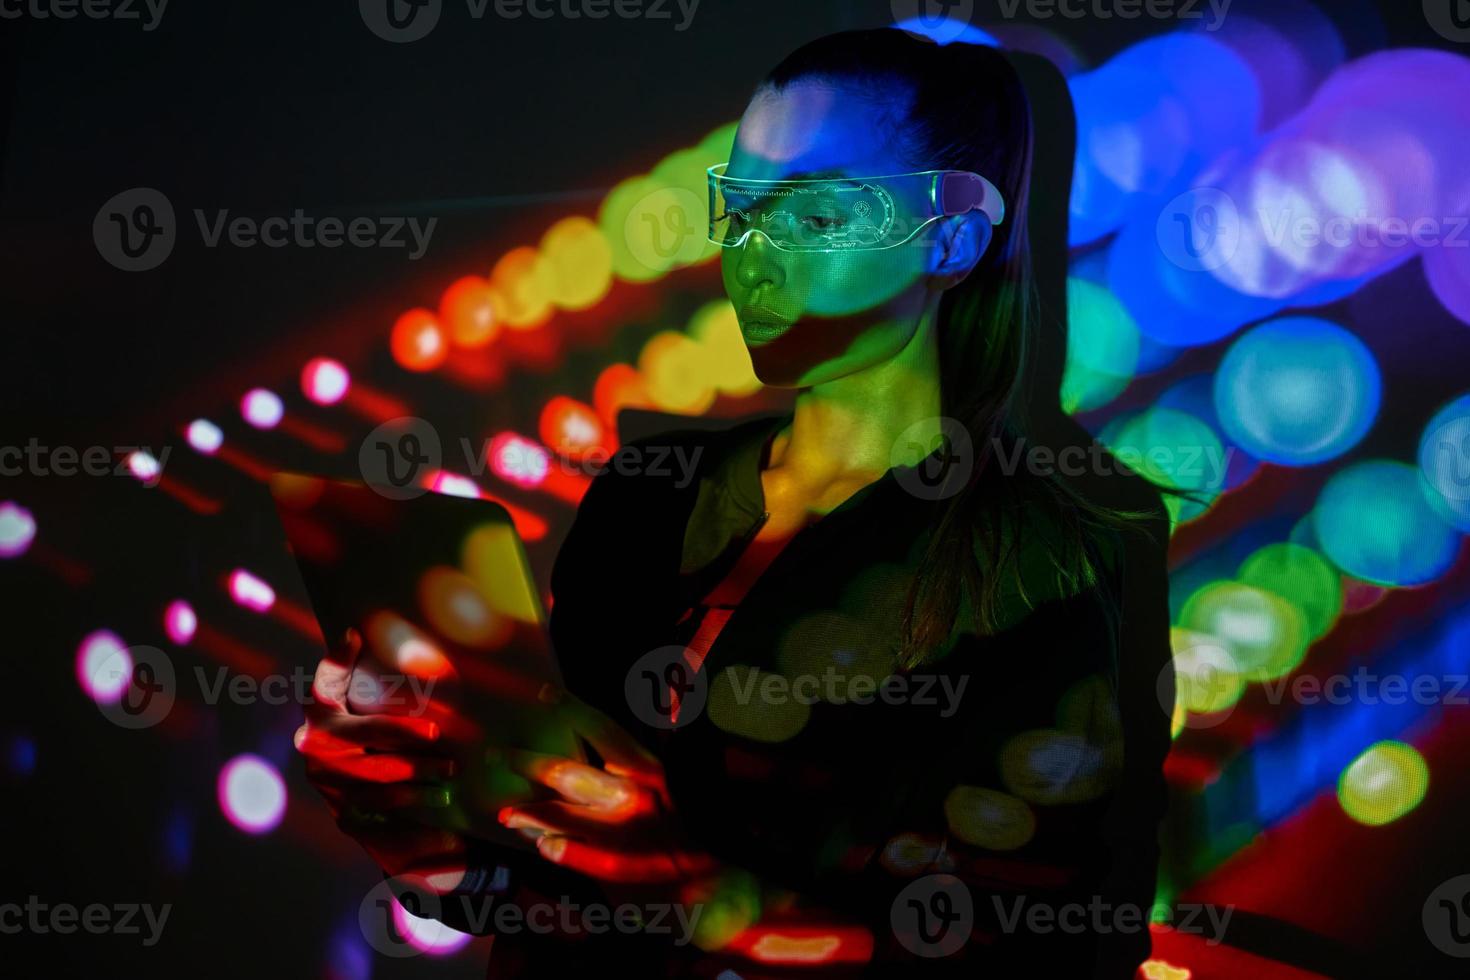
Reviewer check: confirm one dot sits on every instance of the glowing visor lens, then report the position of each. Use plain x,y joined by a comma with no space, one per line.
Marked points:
844,213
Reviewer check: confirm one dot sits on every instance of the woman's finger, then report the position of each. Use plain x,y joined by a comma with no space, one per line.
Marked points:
608,865
620,751
380,732
328,689
577,781
326,758
345,652
558,817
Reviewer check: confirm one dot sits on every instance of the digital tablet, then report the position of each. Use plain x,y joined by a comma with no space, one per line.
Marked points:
452,625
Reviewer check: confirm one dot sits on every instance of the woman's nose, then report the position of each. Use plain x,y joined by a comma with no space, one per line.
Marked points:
760,262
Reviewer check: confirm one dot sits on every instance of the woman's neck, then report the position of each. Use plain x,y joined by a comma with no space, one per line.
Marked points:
851,426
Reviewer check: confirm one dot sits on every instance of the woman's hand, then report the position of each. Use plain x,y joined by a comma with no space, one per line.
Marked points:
381,775
614,822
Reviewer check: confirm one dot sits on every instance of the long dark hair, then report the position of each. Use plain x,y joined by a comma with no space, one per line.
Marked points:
968,110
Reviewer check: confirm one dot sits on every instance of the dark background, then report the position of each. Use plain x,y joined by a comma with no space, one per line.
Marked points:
262,108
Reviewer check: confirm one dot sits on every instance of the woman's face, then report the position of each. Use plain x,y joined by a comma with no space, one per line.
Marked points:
810,317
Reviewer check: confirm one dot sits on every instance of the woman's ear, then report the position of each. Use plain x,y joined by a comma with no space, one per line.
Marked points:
963,240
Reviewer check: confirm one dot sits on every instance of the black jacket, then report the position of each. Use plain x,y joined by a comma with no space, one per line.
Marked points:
1019,773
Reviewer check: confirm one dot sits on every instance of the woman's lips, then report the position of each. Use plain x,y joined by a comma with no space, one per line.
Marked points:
761,326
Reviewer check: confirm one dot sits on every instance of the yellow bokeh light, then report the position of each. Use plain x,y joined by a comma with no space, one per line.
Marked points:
1265,634
1206,675
578,263
524,285
1387,781
677,372
989,818
630,255
744,701
715,328
454,606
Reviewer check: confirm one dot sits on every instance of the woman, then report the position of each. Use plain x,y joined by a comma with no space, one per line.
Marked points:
910,719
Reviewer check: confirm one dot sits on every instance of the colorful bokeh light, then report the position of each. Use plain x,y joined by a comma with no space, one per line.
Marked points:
17,529
1404,543
1387,781
104,667
251,793
1297,391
